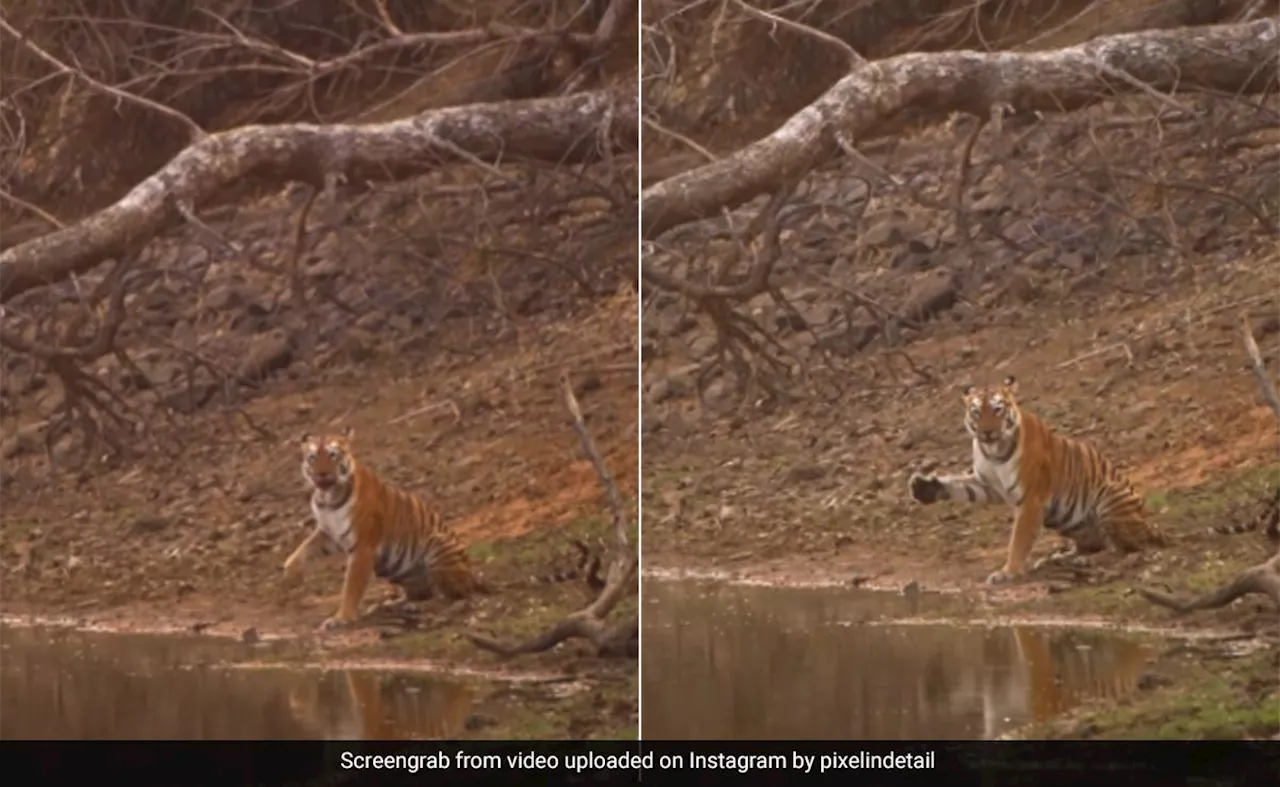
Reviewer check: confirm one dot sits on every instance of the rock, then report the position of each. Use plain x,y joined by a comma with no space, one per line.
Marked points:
930,297
224,297
267,354
375,320
150,524
668,388
323,269
890,228
27,440
359,345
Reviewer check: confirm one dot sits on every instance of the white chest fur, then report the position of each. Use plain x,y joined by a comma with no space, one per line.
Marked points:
1000,476
336,522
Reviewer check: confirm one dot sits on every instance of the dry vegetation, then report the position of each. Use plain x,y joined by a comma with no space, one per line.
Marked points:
226,224
852,210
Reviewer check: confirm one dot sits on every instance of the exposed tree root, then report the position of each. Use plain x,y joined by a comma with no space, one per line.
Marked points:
1263,579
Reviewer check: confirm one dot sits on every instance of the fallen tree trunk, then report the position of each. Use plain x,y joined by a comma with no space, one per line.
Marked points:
582,126
1233,58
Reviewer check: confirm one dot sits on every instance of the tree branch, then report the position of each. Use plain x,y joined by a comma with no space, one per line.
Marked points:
1236,57
1259,368
193,128
555,129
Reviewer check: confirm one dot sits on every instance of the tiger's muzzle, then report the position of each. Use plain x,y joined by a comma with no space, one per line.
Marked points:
324,481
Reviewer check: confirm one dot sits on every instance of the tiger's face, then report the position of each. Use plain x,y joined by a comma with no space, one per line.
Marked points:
326,460
991,413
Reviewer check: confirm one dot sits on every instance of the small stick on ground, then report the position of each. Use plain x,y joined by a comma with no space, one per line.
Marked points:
619,639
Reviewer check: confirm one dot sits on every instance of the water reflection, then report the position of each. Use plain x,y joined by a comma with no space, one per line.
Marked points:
63,684
737,663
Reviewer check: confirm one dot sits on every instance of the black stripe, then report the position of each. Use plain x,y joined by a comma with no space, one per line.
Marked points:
968,490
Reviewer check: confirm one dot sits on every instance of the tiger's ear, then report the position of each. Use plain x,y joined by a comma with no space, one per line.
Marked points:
1011,383
305,438
967,389
349,432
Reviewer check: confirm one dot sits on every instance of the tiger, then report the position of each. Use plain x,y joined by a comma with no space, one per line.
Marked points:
1267,520
1050,479
388,532
379,708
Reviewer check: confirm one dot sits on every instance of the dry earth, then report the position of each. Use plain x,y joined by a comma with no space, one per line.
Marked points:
449,396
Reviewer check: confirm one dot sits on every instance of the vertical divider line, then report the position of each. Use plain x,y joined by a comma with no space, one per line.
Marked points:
639,380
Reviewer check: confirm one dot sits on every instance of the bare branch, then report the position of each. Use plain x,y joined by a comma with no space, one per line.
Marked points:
851,54
120,95
589,447
554,129
1236,57
1259,368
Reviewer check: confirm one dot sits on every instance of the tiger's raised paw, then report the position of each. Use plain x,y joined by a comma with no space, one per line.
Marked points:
926,488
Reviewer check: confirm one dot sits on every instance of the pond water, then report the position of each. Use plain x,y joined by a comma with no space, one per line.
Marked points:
731,662
60,683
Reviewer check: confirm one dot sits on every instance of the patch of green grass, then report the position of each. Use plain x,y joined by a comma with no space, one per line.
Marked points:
1157,500
1209,699
545,549
1201,506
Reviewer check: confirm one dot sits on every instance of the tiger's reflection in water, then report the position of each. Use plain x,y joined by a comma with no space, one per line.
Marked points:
1037,674
366,705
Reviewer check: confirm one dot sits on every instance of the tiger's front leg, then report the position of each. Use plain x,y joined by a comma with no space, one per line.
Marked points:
354,584
1026,526
295,564
929,489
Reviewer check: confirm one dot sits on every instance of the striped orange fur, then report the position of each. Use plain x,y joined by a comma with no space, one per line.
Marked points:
1051,480
384,531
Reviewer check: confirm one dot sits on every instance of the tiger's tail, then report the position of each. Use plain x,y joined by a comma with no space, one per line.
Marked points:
1267,520
587,568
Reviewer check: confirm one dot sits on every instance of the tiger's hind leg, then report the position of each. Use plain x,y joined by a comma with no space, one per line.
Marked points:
458,581
1123,521
1080,545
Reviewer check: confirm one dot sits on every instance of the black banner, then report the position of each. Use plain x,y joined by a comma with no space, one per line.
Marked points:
319,764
